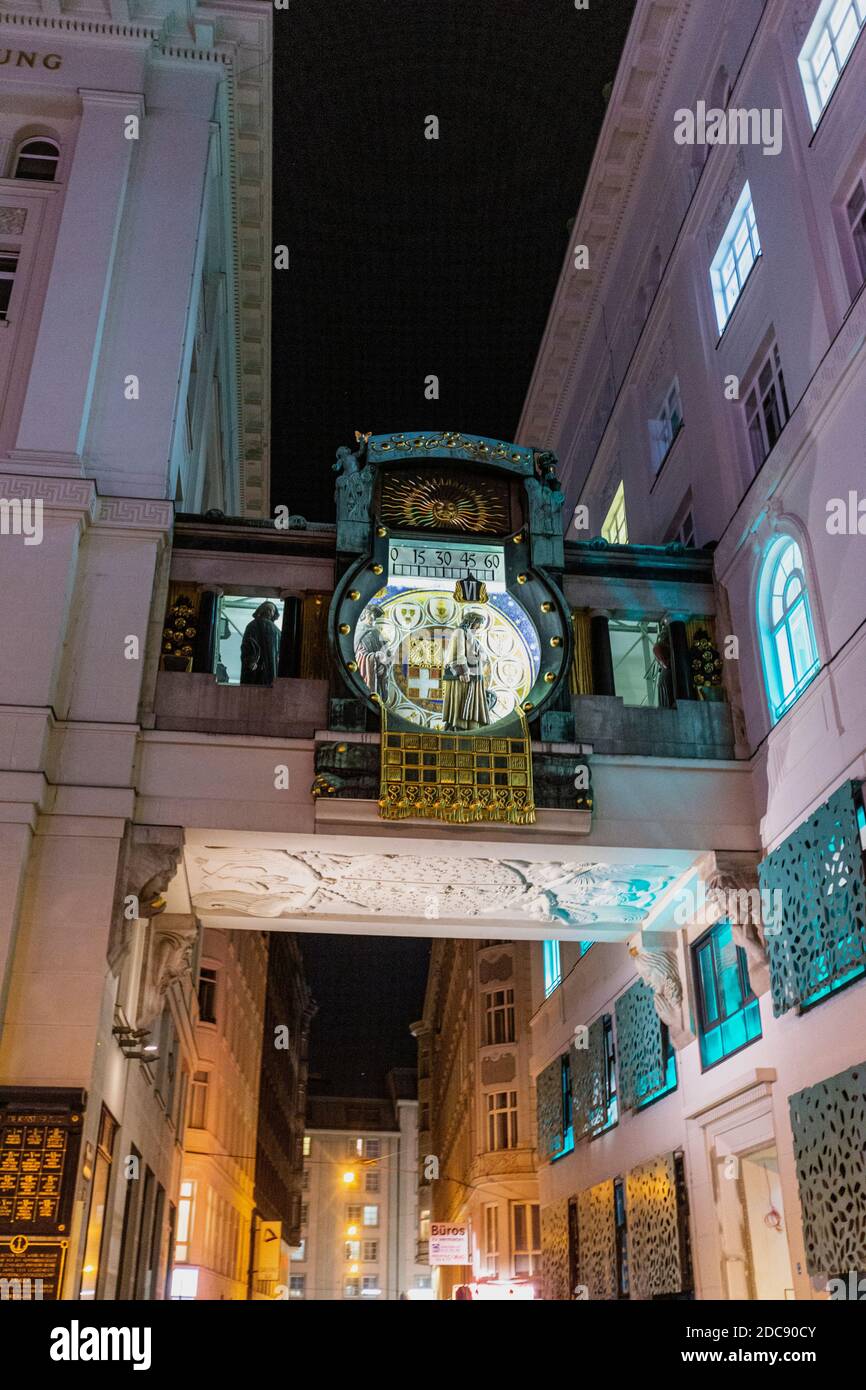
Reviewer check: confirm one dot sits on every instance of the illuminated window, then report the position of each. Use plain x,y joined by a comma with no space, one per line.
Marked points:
98,1202
354,1148
785,625
502,1120
526,1237
491,1239
499,1017
729,1015
371,1215
306,1145
552,967
567,1109
185,1216
829,43
297,1286
615,529
37,159
621,1238
370,1285
353,1215
645,1080
353,1251
738,250
351,1288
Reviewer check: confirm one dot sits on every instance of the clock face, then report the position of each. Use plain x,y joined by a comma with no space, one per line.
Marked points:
443,664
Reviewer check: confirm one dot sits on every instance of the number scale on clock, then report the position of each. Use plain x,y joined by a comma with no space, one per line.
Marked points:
446,562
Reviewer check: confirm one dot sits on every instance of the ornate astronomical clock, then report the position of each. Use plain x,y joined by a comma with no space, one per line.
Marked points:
448,619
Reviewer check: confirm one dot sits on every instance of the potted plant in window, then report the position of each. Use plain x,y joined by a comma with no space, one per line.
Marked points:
706,667
178,635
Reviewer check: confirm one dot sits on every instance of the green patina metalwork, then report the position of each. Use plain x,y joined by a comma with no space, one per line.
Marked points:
819,935
588,1083
639,1046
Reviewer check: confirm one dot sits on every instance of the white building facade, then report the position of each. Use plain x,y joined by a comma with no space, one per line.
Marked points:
702,378
134,236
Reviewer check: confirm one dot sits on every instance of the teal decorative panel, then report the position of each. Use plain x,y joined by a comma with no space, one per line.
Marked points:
820,877
548,1094
639,1046
829,1127
653,1228
554,1251
596,1229
588,1083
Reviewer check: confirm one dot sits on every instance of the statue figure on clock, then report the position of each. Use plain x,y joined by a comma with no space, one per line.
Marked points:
464,680
374,655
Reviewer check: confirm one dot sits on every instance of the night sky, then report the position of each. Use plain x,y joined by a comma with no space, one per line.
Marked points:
411,257
368,989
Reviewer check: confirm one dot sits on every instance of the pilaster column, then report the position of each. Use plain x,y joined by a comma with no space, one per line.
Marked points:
57,405
680,670
600,654
290,638
204,656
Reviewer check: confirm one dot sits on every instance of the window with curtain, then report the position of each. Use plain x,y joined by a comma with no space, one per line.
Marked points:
787,635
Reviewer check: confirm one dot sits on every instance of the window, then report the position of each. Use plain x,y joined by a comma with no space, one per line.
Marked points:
37,159
207,979
738,250
351,1288
615,529
353,1215
354,1148
297,1286
612,1116
98,1203
729,1016
370,1285
8,267
371,1215
567,1110
353,1251
371,1250
621,1238
371,1182
300,1251
305,1213
499,1017
635,667
785,626
372,1148
834,32
552,968
685,531
306,1145
185,1216
666,425
198,1100
766,408
856,210
526,1237
502,1120
491,1238
235,613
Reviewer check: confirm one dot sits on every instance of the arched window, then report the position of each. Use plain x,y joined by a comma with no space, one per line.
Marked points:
37,159
785,624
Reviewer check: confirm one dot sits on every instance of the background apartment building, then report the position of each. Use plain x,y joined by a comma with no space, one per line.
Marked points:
477,1117
360,1207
